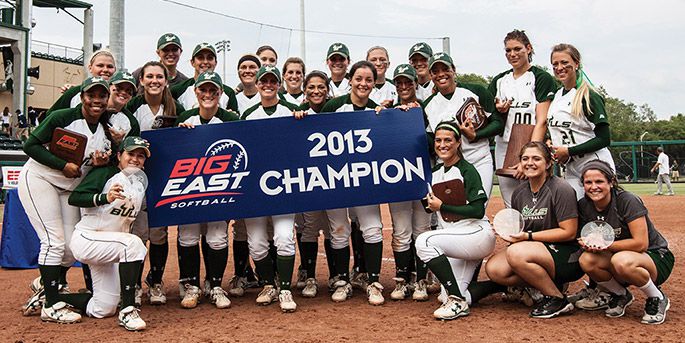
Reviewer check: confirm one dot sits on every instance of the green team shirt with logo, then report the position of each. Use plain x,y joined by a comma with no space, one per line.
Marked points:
184,92
623,209
525,92
553,203
294,99
143,114
192,116
97,214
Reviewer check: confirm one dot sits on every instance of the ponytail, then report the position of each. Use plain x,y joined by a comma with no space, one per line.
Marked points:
583,84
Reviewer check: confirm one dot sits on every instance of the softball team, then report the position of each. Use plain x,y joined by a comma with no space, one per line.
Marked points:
535,267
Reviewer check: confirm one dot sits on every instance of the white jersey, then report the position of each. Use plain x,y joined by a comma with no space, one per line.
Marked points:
189,100
118,215
438,109
295,100
565,128
258,112
386,92
120,122
336,91
245,102
423,92
146,117
663,163
76,100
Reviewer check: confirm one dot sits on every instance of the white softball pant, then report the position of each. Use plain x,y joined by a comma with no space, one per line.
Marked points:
140,228
485,167
216,234
312,223
103,251
507,185
51,216
369,224
465,243
258,237
409,220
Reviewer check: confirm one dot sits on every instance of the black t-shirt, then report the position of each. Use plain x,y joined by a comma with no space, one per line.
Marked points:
623,209
553,203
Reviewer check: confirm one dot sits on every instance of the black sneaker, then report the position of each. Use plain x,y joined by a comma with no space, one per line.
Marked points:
551,307
618,304
655,310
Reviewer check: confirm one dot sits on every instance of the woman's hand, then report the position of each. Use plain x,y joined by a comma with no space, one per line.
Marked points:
590,248
561,154
434,203
468,130
518,171
299,114
187,125
65,87
386,103
502,106
115,192
100,158
378,109
518,237
117,135
71,170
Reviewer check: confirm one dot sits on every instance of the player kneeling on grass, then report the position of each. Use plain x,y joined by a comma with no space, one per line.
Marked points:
545,255
110,198
208,92
638,256
454,253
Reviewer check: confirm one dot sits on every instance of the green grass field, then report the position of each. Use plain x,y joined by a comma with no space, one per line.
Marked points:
637,188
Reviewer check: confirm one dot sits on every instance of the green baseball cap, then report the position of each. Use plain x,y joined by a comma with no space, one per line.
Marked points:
405,70
338,49
168,39
266,69
204,46
440,57
92,82
422,49
209,76
131,143
121,77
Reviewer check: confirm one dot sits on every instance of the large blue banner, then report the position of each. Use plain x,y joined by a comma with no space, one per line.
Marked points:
265,167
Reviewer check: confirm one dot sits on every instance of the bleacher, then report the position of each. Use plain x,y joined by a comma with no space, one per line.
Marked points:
8,143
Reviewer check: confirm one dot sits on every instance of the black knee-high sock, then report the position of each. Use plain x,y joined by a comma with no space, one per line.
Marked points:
265,270
241,254
358,248
189,265
330,258
403,259
216,263
50,276
342,263
127,279
442,269
481,289
87,278
286,264
421,268
158,256
63,275
205,248
77,300
273,254
308,255
413,260
373,255
298,239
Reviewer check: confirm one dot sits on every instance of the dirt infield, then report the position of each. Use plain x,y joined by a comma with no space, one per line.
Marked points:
320,320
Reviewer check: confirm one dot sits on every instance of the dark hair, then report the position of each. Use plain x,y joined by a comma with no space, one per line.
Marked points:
454,129
316,73
520,35
604,168
264,48
363,64
544,149
293,60
167,99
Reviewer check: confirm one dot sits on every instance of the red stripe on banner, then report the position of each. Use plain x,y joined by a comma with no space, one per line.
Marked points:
193,196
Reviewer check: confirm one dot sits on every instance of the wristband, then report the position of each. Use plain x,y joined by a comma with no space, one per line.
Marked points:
530,235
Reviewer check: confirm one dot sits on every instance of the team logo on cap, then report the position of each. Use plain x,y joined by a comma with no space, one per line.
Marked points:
402,69
269,68
203,46
214,178
439,55
127,77
209,75
336,47
97,79
140,141
418,47
169,38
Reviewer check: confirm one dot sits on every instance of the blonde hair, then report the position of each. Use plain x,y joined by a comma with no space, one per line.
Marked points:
583,87
105,52
378,47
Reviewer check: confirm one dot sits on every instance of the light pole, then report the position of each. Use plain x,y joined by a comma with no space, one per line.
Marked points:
642,136
223,46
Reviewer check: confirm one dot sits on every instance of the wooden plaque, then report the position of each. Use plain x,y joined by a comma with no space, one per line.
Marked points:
68,145
520,136
472,110
451,193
